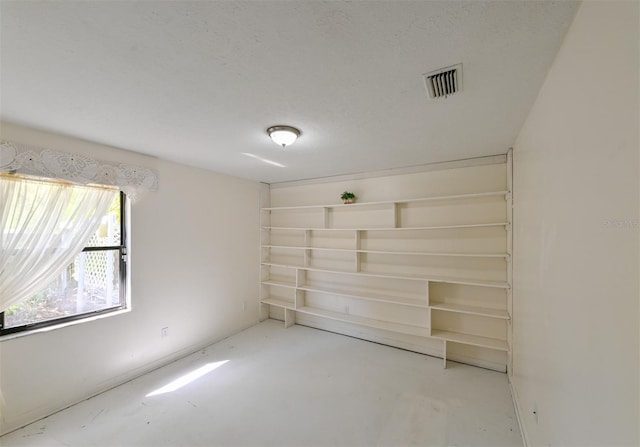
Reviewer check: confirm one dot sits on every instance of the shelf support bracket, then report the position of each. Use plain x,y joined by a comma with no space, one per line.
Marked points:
325,216
264,311
358,254
289,317
396,216
444,354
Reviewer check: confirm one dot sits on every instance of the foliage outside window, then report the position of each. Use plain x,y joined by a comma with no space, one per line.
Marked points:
94,283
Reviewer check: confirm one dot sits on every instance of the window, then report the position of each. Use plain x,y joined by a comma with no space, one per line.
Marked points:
94,283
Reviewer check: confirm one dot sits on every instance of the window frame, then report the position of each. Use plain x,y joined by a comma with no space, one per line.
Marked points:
123,254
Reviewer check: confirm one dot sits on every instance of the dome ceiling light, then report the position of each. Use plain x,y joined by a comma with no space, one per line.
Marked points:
283,135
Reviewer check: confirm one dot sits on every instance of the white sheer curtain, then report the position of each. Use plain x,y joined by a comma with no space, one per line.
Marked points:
43,226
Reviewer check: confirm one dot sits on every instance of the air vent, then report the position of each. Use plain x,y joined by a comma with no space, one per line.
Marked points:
444,82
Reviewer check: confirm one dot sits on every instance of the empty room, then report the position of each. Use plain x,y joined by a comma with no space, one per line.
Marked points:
312,223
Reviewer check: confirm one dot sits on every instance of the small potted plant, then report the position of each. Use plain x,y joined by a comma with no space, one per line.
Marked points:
348,197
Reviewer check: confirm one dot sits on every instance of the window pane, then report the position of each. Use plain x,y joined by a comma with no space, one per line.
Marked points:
108,234
90,283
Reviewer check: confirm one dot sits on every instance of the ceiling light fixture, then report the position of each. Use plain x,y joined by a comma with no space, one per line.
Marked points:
283,135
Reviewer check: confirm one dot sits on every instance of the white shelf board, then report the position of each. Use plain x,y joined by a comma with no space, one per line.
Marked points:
472,310
433,227
427,253
449,280
277,302
370,295
286,266
474,340
293,247
369,322
389,252
271,282
390,202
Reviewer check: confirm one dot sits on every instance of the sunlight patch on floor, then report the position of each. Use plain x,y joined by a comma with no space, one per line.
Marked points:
187,378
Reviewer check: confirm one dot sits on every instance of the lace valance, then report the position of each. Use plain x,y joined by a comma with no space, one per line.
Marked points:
75,168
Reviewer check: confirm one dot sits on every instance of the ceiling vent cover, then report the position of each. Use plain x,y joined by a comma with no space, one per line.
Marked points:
444,82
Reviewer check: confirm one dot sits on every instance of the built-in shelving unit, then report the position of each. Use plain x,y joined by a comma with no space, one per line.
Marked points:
434,267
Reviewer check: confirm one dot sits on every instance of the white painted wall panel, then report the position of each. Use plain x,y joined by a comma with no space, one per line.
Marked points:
195,261
576,239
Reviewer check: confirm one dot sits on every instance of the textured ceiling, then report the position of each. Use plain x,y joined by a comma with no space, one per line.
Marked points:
199,82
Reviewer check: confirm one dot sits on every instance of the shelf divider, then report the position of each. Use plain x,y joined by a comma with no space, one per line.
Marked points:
357,251
395,223
289,317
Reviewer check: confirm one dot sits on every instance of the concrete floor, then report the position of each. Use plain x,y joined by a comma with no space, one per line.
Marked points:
297,387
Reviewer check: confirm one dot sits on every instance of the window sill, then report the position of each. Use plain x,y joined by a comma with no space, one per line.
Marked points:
54,327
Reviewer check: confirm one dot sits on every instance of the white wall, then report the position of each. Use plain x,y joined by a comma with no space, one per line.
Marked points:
576,239
195,260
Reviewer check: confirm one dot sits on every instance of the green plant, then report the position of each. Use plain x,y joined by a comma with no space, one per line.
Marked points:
348,196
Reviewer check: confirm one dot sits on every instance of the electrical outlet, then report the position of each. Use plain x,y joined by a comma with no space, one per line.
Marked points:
244,306
164,332
346,310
